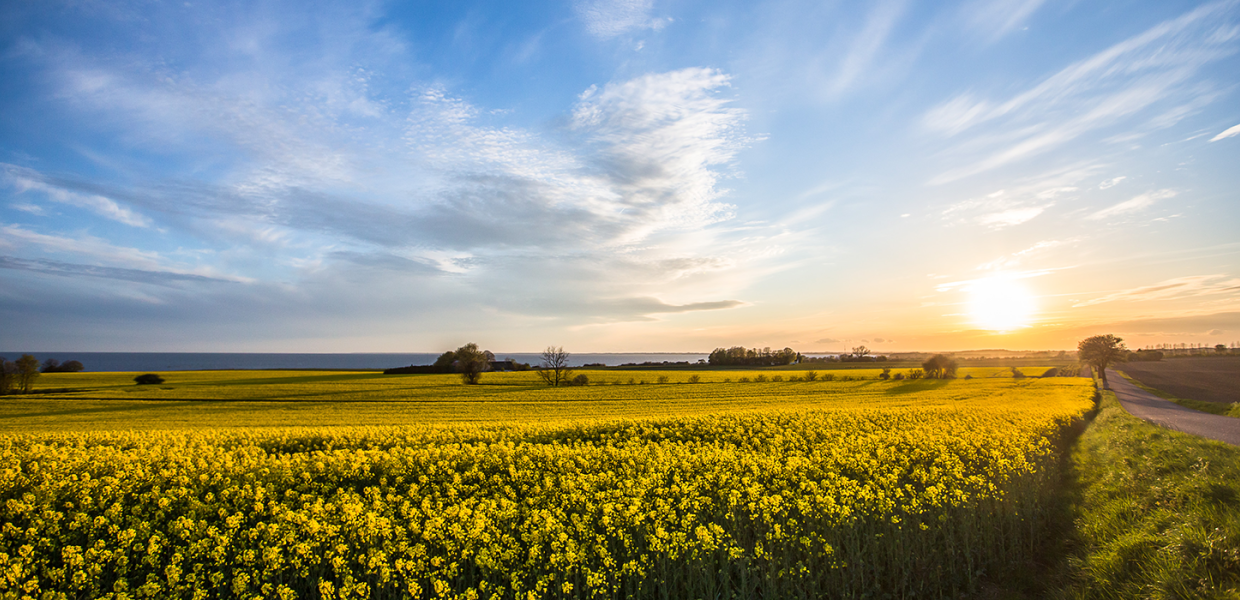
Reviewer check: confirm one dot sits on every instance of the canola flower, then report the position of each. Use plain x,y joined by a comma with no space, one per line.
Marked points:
894,499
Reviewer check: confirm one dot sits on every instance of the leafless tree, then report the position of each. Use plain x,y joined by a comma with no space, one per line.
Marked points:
27,372
555,371
860,351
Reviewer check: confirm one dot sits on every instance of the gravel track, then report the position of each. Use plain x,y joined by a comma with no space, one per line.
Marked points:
1145,405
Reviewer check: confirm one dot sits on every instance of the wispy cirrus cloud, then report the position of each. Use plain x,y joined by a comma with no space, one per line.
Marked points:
1180,287
996,18
24,180
1230,132
610,18
1157,68
1137,203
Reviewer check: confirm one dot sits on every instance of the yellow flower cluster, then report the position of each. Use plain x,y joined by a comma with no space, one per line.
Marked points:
894,499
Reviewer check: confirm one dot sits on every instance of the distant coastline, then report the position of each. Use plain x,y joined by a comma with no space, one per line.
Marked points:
195,361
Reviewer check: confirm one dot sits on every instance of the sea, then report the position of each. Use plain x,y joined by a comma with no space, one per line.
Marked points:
196,361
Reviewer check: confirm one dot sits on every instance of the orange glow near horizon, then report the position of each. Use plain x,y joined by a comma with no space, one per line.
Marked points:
1000,304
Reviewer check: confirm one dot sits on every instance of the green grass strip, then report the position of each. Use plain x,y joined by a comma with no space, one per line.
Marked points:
1156,513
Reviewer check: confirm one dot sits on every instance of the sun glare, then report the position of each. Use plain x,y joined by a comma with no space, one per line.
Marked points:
1000,304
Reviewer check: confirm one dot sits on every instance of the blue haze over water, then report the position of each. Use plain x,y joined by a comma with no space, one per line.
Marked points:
192,361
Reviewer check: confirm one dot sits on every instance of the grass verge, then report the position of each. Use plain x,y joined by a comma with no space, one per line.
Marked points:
1156,513
1216,408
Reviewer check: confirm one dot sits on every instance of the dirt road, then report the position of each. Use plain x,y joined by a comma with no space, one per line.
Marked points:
1147,406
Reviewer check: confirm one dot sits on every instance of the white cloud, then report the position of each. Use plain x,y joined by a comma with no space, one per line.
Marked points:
1114,86
995,18
1233,131
1016,258
1110,183
96,251
1180,287
1014,216
1137,203
867,44
33,209
25,180
610,18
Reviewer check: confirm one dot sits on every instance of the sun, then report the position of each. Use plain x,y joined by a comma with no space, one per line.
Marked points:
1000,304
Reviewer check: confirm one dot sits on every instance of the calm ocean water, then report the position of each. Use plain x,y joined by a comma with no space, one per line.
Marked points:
190,361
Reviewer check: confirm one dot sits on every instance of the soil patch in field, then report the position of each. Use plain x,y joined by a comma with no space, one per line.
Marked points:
1211,379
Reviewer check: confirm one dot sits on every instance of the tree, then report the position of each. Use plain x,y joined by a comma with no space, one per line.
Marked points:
148,379
27,372
445,361
1101,351
860,351
8,375
471,362
52,365
940,366
555,370
1220,348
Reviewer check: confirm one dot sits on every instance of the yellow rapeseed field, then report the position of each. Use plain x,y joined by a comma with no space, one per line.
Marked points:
916,494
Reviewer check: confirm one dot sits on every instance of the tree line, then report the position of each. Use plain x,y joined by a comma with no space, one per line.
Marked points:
19,375
752,357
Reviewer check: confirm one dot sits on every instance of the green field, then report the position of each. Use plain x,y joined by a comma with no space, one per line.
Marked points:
191,399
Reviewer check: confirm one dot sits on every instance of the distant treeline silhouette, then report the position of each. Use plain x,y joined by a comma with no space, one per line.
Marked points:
752,357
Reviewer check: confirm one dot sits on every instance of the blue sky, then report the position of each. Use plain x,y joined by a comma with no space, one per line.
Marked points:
617,176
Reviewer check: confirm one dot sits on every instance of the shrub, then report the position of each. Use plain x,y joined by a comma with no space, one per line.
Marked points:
777,378
760,379
1017,374
794,378
581,380
916,374
743,380
886,374
663,379
968,376
898,376
811,375
695,378
148,379
828,377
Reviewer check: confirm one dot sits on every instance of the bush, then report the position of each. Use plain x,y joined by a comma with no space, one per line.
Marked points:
695,378
916,374
148,379
794,379
777,378
828,377
581,380
898,376
968,376
743,380
663,379
1051,372
760,379
811,375
886,374
1017,374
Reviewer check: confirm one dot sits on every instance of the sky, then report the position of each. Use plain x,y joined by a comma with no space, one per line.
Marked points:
623,176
